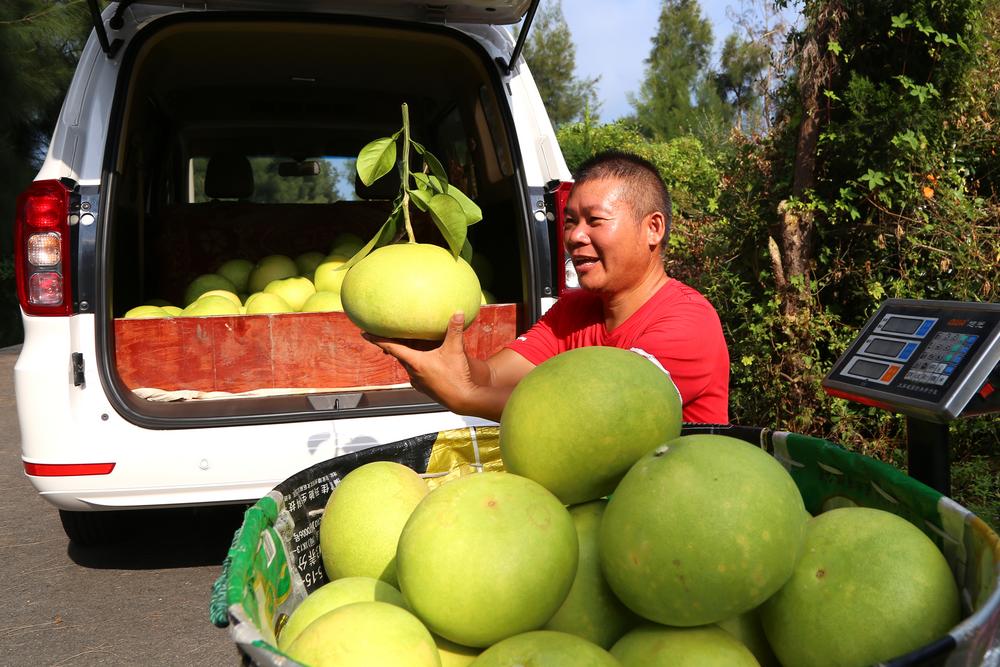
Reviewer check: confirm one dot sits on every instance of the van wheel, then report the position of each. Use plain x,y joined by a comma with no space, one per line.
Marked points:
92,529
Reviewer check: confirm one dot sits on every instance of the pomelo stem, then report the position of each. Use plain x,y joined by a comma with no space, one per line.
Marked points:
406,173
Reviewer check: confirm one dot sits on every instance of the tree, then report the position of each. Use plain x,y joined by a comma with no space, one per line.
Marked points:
40,43
739,78
675,68
551,55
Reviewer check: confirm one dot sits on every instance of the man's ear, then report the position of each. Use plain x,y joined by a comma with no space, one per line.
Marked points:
655,225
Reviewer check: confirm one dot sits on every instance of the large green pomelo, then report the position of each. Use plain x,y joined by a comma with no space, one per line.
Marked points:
578,421
869,586
701,529
410,290
365,634
272,267
145,313
204,283
545,648
652,645
487,556
455,655
591,609
332,595
748,629
366,512
211,304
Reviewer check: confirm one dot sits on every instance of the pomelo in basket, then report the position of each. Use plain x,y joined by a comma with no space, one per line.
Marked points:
545,648
333,595
869,586
652,645
366,512
455,655
748,629
591,609
410,290
365,634
579,420
487,556
272,267
703,528
205,283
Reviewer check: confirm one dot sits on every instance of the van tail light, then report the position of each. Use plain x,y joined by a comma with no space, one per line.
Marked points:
556,195
42,249
67,469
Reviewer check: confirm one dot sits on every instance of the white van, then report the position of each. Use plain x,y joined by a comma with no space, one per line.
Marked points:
175,113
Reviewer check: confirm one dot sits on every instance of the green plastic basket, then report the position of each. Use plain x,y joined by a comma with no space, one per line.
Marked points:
275,560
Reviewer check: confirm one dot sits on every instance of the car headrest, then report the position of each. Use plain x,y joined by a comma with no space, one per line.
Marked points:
385,188
228,176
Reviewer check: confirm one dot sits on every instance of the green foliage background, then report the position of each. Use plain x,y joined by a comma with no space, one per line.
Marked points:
906,204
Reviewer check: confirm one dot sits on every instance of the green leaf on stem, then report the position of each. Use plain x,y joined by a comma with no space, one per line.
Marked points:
376,159
384,237
438,170
449,217
473,213
466,253
421,197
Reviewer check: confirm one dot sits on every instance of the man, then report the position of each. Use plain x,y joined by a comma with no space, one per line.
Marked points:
617,222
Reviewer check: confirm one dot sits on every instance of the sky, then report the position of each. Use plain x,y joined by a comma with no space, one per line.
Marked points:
613,44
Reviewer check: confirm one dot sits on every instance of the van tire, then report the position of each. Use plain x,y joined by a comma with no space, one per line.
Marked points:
92,529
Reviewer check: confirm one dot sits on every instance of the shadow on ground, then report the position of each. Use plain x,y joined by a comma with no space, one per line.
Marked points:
164,538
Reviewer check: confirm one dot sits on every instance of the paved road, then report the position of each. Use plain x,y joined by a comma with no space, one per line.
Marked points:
144,602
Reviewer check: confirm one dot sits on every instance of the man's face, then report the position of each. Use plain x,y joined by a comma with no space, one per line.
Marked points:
610,248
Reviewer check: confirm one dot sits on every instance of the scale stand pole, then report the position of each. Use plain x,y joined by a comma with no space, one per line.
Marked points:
928,458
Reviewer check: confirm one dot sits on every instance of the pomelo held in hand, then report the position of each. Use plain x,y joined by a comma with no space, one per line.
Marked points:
364,516
545,648
487,556
869,586
701,529
579,420
410,290
365,634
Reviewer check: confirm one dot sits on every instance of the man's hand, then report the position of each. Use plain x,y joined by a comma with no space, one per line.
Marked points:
443,372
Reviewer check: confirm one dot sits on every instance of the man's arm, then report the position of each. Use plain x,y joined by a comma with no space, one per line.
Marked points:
463,384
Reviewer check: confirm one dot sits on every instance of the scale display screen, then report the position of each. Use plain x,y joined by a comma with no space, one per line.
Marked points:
922,358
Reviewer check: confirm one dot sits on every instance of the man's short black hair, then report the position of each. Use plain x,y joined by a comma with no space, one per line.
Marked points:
645,188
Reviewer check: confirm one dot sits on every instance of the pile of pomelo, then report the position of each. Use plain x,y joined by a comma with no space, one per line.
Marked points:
378,296
612,540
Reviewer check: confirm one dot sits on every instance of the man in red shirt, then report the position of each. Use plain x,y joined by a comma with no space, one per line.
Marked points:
617,222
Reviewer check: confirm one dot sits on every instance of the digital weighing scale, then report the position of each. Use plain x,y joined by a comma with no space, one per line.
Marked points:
933,361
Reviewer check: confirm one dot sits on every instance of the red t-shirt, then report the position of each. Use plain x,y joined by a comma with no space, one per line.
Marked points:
677,325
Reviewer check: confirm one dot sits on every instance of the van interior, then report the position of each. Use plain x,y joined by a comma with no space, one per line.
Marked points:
237,140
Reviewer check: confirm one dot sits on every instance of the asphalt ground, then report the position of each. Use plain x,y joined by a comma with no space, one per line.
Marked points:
142,602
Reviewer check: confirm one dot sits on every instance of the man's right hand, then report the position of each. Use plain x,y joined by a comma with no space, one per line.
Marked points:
446,373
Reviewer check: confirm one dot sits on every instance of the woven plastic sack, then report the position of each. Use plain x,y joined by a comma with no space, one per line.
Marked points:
275,560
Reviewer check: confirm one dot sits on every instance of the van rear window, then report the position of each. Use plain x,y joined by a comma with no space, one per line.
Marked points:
282,180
